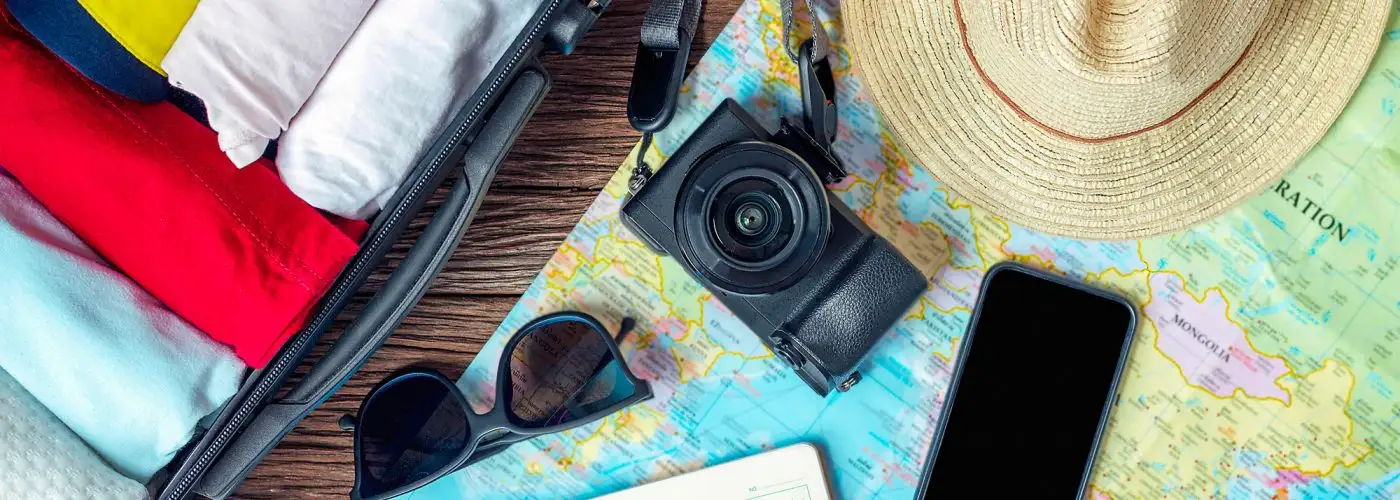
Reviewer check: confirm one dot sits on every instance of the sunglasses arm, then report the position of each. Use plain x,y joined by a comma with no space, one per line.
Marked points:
627,325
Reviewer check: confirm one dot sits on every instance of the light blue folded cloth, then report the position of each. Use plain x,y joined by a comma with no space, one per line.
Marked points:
41,459
123,372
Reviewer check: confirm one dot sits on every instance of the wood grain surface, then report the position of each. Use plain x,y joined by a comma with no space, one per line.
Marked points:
563,158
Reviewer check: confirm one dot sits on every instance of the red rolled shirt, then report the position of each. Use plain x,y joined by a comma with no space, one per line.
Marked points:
231,250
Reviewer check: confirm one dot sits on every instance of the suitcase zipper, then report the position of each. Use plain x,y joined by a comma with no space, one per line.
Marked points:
267,384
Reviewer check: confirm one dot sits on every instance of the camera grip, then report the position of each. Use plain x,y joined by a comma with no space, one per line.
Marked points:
871,288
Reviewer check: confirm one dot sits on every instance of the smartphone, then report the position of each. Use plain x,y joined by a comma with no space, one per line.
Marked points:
1032,387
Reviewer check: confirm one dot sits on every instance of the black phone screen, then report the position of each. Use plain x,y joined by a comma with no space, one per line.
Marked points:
1038,367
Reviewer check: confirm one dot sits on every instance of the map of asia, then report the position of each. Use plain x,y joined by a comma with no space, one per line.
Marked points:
1266,366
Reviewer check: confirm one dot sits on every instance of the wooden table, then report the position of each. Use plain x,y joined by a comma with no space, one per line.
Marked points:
563,158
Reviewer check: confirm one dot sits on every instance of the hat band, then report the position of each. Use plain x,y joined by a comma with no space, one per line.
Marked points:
972,58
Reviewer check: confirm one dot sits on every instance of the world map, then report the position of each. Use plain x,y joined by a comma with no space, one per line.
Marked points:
1266,364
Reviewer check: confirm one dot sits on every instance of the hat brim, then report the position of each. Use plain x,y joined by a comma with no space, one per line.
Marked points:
70,32
1301,69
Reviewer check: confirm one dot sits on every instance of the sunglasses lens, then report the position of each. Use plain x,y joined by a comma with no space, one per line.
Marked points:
412,428
564,372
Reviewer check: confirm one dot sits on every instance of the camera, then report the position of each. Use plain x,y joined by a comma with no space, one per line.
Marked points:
745,211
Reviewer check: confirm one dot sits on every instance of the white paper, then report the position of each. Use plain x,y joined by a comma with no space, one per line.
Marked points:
789,473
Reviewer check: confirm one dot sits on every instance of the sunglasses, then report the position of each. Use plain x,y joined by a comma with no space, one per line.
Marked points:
562,371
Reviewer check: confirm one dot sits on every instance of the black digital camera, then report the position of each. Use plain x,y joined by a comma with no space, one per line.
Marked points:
745,212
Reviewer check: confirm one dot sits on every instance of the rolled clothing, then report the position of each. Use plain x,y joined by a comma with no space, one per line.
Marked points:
41,459
231,251
110,41
118,368
255,62
389,94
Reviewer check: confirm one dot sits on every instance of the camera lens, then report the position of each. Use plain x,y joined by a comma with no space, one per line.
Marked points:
752,218
749,223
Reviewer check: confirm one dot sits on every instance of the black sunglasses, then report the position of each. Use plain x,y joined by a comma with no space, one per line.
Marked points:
561,371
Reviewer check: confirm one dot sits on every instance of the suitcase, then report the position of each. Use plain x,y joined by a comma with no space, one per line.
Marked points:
267,407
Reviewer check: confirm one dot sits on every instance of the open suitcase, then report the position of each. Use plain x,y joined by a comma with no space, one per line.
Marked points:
472,145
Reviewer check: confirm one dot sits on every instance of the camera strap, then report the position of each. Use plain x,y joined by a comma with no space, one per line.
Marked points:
667,33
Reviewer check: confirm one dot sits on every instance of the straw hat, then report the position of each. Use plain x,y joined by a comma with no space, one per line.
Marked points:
1110,119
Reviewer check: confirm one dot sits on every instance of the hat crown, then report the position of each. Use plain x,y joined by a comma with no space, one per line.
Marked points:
1141,63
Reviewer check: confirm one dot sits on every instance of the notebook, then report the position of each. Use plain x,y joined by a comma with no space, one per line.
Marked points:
789,473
